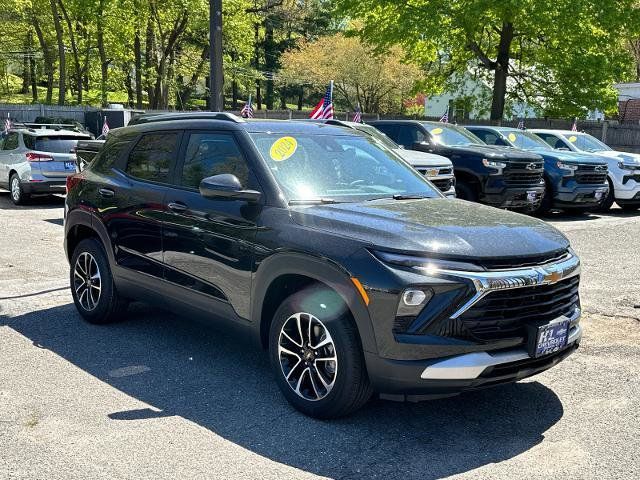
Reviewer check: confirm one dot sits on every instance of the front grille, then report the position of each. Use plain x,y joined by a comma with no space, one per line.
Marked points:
505,314
521,262
518,178
444,185
591,178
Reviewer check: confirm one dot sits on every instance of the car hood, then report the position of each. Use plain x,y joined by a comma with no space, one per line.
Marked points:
424,159
442,227
492,152
626,156
576,157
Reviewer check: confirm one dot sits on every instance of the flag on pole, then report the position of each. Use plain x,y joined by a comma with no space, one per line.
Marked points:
521,124
445,116
7,124
324,108
357,117
574,127
247,110
105,127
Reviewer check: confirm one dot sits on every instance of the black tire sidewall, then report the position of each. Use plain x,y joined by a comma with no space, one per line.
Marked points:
465,191
348,349
22,197
108,296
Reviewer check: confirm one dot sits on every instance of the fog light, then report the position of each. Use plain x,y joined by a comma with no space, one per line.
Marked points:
413,298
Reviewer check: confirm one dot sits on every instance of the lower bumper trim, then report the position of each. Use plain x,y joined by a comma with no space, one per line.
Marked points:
471,365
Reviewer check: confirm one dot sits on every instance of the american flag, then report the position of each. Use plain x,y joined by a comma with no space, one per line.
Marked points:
445,116
247,110
324,108
7,124
521,124
357,117
574,127
105,127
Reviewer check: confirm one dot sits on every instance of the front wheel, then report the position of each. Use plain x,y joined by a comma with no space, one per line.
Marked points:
467,192
316,355
605,205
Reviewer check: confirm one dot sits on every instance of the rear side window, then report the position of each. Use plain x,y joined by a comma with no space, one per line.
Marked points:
151,158
11,142
410,134
552,140
488,137
52,144
211,154
111,151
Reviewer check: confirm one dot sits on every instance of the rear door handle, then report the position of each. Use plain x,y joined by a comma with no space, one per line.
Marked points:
106,192
177,206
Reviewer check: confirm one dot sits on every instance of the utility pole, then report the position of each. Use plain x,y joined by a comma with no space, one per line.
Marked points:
216,79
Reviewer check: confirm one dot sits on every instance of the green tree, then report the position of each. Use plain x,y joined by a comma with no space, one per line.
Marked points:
562,55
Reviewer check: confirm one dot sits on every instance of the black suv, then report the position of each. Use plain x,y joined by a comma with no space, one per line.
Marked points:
486,174
355,273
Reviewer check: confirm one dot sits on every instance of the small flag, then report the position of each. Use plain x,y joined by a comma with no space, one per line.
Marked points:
7,124
445,116
521,124
574,127
247,110
105,127
357,117
324,108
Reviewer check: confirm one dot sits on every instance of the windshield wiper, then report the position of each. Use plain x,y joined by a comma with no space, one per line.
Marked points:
312,201
408,197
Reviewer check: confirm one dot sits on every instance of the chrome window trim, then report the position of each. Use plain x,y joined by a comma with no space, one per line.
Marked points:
496,280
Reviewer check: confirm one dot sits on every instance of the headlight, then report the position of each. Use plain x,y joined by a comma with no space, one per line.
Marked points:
425,264
627,166
493,164
568,167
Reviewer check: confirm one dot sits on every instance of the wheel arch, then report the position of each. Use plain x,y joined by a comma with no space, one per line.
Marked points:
285,274
79,225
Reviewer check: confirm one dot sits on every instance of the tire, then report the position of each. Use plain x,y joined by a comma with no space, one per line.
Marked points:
630,207
606,204
99,302
467,192
17,194
321,389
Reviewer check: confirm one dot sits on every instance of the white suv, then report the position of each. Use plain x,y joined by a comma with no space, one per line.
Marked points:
37,161
624,168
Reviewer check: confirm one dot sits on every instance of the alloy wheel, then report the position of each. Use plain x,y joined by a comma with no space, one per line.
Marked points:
15,189
86,281
307,356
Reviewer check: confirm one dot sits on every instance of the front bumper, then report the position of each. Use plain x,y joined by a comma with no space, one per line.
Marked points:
580,196
416,380
626,185
515,197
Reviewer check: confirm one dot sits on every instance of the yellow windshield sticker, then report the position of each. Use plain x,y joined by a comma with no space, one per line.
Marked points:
436,131
573,139
283,148
512,137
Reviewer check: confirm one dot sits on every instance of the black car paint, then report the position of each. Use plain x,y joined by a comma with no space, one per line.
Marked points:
467,161
221,260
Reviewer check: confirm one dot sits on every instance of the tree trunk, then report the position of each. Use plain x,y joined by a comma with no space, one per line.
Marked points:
300,97
47,57
501,72
256,63
269,61
137,53
26,73
150,60
104,63
62,80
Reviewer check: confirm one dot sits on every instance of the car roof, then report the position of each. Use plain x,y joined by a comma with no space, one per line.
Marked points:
558,132
495,128
50,132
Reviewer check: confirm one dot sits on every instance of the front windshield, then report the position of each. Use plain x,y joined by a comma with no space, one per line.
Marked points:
526,140
378,135
345,168
452,136
586,142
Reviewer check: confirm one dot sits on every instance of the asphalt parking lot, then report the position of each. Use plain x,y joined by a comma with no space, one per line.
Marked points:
158,396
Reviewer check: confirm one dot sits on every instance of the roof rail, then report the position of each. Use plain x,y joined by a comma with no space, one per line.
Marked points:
52,126
165,117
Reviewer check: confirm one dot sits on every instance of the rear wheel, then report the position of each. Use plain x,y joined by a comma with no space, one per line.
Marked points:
18,196
92,287
316,355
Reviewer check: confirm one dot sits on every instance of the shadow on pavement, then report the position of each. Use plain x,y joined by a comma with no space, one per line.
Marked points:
39,202
223,384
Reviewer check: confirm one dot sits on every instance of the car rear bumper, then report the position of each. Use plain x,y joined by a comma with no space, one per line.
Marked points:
43,187
416,379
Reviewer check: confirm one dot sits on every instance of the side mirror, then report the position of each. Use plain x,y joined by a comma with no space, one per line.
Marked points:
227,186
422,146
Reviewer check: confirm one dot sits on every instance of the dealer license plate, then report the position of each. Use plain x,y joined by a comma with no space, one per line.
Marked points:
69,165
599,194
551,338
532,196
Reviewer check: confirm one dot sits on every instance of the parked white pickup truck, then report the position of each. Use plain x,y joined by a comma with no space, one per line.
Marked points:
624,167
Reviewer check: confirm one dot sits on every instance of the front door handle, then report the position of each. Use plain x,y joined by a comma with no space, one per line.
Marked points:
177,207
106,192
